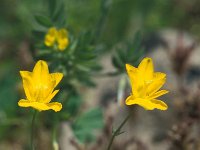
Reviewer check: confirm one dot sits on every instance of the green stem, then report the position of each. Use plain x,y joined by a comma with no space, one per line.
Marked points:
33,130
117,132
54,135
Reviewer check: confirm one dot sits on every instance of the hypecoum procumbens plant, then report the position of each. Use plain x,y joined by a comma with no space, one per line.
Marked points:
73,59
145,84
39,89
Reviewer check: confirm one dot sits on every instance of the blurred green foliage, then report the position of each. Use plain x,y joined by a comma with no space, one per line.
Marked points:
131,53
95,27
8,97
76,62
124,16
84,126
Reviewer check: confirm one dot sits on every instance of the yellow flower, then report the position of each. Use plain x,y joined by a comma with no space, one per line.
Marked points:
39,88
145,85
50,37
62,39
57,37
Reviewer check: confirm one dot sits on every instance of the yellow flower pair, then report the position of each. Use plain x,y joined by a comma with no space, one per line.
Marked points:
57,37
39,87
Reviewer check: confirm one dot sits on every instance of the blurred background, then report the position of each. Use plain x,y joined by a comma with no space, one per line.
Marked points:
167,31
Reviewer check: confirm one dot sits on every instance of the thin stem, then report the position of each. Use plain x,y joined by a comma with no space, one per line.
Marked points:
54,135
117,132
33,130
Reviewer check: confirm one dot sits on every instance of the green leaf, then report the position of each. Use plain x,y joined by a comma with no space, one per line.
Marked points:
134,48
130,54
84,78
137,41
72,47
52,6
122,55
73,104
85,125
86,56
43,20
116,61
87,82
59,16
96,67
38,36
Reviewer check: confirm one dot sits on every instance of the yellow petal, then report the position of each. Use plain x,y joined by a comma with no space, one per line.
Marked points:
146,69
55,106
63,43
57,77
51,36
52,31
62,39
49,98
159,104
135,79
41,67
130,70
62,33
41,73
155,86
158,94
27,84
49,40
40,106
132,73
159,75
129,100
146,103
